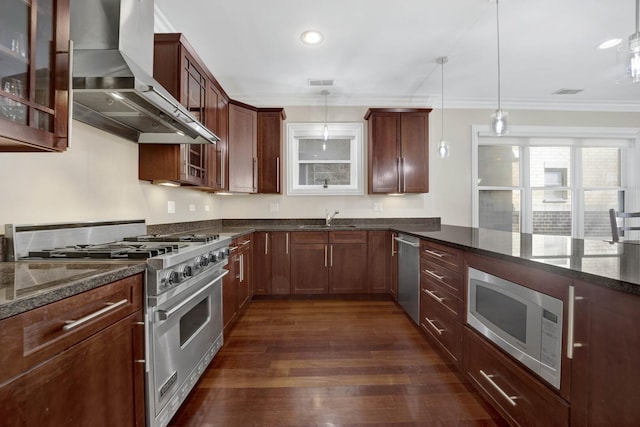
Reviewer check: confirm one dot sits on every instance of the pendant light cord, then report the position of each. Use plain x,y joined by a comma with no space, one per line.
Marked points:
498,40
442,114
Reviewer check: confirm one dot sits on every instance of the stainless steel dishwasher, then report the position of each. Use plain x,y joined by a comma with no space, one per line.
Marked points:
409,275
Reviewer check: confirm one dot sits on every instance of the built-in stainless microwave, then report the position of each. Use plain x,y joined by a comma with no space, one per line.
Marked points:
523,322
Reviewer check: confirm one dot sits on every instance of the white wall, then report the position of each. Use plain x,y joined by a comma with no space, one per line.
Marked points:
96,178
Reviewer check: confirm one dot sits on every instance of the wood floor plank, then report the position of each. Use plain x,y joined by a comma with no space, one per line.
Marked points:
331,363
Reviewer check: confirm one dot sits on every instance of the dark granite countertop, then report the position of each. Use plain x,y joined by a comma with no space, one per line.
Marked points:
26,285
614,265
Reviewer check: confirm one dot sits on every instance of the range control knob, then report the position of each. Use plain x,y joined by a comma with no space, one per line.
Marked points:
185,271
170,277
204,261
198,263
214,257
224,253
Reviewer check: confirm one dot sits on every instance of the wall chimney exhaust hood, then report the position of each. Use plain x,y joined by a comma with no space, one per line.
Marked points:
112,67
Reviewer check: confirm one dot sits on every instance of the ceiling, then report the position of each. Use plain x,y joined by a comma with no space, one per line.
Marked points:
383,53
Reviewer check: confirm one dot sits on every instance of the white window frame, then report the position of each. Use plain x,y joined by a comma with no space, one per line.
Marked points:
345,130
629,175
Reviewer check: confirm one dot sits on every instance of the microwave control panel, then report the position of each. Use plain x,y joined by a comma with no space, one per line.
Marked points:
550,345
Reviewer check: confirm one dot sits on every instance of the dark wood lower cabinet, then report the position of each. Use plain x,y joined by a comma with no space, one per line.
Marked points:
606,365
517,395
348,262
378,261
89,376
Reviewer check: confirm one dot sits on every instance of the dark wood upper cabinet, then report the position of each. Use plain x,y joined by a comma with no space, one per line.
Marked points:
180,71
217,120
243,148
34,76
270,134
398,149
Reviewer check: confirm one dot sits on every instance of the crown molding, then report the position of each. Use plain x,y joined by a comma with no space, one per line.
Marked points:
306,100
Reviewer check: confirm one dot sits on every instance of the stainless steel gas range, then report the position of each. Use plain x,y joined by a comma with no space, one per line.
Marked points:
183,309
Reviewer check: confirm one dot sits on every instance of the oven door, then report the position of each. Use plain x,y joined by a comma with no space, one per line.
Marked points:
183,330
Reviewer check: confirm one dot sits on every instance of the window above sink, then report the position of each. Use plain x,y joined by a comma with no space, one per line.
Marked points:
325,167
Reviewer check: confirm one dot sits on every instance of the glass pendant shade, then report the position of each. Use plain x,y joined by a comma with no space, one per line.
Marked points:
629,58
499,123
443,149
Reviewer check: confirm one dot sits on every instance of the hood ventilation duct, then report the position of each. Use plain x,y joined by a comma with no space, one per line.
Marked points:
112,85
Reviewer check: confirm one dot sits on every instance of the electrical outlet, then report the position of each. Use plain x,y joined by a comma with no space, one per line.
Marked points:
206,208
274,207
192,208
171,207
377,207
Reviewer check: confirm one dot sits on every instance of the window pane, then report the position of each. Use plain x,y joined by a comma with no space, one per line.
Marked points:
498,166
325,174
319,149
500,210
596,212
601,167
549,166
551,218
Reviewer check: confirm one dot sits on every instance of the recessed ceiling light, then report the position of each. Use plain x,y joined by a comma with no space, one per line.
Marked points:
607,44
311,37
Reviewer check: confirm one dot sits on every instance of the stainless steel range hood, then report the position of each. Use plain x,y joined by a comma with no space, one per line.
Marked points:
112,85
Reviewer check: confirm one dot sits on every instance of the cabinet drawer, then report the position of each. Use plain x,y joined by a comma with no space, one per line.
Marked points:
442,325
309,237
38,334
348,237
520,397
441,296
445,256
452,281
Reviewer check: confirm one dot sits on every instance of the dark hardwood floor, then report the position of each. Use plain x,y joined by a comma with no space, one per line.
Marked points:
331,363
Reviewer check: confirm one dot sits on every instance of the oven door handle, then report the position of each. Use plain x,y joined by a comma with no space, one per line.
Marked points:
165,314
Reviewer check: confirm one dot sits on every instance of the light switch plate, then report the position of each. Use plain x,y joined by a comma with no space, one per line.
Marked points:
192,207
377,207
274,207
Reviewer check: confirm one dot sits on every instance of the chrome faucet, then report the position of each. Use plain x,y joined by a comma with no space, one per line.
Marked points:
329,217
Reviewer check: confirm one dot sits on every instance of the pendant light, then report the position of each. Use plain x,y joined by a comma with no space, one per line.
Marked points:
632,62
325,133
443,146
499,119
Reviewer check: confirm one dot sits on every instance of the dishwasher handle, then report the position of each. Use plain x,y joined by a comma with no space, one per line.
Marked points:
406,242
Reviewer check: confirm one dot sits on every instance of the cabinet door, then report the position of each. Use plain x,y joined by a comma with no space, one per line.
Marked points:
379,262
384,153
348,268
414,140
605,370
98,382
213,121
394,266
242,146
309,268
269,147
244,279
280,263
262,255
230,290
34,75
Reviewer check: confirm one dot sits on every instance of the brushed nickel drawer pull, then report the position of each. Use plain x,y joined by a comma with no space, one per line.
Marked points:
140,361
433,295
72,324
434,274
434,253
510,399
433,325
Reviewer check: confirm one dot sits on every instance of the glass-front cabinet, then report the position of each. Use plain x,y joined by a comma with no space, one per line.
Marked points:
34,75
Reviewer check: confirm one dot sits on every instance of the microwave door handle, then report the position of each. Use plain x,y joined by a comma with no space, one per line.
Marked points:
571,322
